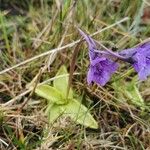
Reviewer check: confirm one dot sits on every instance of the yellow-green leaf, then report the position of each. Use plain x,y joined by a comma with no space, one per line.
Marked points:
50,93
53,111
61,83
80,114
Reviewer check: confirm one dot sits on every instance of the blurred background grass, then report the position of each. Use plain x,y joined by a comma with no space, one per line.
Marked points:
31,27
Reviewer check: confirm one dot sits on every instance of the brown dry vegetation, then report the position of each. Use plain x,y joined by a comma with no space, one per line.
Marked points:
36,38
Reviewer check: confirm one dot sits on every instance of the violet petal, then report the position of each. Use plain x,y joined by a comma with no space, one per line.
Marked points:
101,68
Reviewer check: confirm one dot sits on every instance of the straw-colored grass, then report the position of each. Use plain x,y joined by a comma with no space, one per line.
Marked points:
36,38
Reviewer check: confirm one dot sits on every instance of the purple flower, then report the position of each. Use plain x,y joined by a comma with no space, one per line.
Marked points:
101,67
139,58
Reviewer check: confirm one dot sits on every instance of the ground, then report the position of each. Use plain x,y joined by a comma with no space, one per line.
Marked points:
36,38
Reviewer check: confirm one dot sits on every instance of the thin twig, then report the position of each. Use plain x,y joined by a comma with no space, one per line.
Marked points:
10,102
35,85
60,48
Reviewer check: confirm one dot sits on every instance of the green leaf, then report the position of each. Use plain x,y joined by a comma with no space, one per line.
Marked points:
50,93
135,96
61,83
54,111
129,92
80,114
75,110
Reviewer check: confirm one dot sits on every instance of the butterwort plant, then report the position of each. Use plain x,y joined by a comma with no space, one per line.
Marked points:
104,63
59,105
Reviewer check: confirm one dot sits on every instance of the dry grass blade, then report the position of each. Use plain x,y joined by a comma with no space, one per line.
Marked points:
37,38
60,48
18,97
72,66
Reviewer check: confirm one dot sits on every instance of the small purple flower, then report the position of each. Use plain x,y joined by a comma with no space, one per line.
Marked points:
139,58
101,67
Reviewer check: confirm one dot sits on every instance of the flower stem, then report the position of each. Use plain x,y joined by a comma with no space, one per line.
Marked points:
114,54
